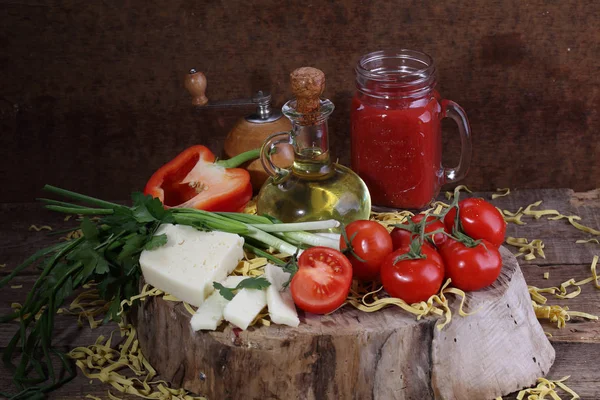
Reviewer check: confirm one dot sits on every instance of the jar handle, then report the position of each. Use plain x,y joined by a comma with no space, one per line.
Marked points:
452,110
269,147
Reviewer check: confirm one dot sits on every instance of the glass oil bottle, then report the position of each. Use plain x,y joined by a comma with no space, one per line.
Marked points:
313,188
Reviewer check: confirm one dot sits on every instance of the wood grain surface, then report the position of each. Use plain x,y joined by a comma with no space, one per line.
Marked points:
90,90
576,346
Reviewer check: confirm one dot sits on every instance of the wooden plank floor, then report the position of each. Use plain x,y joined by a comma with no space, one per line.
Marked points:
577,346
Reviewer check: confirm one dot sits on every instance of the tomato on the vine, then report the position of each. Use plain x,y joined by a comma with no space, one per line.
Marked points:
471,268
479,220
322,281
433,224
402,237
370,242
412,280
426,249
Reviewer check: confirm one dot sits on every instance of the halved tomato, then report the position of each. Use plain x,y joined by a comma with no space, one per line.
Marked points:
323,280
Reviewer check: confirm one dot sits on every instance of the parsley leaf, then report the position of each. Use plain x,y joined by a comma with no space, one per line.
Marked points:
258,283
146,208
132,246
227,293
89,229
291,267
102,265
64,291
155,242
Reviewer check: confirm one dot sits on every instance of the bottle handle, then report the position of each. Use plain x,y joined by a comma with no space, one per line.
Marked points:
452,110
269,147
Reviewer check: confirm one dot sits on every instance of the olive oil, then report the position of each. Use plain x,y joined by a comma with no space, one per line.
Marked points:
313,188
340,195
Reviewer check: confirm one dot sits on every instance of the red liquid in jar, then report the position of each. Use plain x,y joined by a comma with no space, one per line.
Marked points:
396,149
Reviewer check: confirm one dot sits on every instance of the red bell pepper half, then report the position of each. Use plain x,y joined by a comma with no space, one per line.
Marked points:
194,180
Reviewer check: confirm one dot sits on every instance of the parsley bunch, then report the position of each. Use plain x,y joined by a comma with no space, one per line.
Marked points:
107,253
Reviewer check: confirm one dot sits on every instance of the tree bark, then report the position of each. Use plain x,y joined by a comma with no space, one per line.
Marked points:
355,355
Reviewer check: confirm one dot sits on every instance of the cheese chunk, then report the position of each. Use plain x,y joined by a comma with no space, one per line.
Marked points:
244,307
191,260
210,314
279,300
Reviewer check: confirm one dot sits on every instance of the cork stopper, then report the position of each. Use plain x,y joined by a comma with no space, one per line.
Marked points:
307,85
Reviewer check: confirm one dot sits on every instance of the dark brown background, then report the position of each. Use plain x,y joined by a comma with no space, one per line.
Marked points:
91,94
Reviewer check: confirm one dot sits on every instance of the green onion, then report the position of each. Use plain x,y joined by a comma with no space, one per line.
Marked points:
298,226
313,240
202,219
261,253
59,203
246,218
244,224
81,197
271,241
82,211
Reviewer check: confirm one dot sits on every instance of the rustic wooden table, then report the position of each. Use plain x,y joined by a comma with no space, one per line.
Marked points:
577,346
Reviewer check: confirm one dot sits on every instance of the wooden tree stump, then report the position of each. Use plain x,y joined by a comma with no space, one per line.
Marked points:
355,355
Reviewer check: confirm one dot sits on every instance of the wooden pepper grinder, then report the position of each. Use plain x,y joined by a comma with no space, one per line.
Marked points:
249,132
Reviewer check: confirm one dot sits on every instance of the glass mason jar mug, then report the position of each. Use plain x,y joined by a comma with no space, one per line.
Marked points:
396,129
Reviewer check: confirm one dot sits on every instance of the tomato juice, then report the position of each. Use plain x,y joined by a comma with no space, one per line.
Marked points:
396,149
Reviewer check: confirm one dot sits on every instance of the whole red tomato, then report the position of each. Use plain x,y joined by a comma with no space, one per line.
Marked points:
412,280
479,219
471,268
322,281
426,249
371,242
432,224
402,236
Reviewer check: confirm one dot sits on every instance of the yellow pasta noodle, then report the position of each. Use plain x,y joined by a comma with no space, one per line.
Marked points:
435,305
503,192
526,248
511,217
450,195
40,228
593,240
547,387
555,313
112,363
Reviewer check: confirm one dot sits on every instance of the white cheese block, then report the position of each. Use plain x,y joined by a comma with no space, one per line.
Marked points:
210,314
279,300
244,307
191,260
